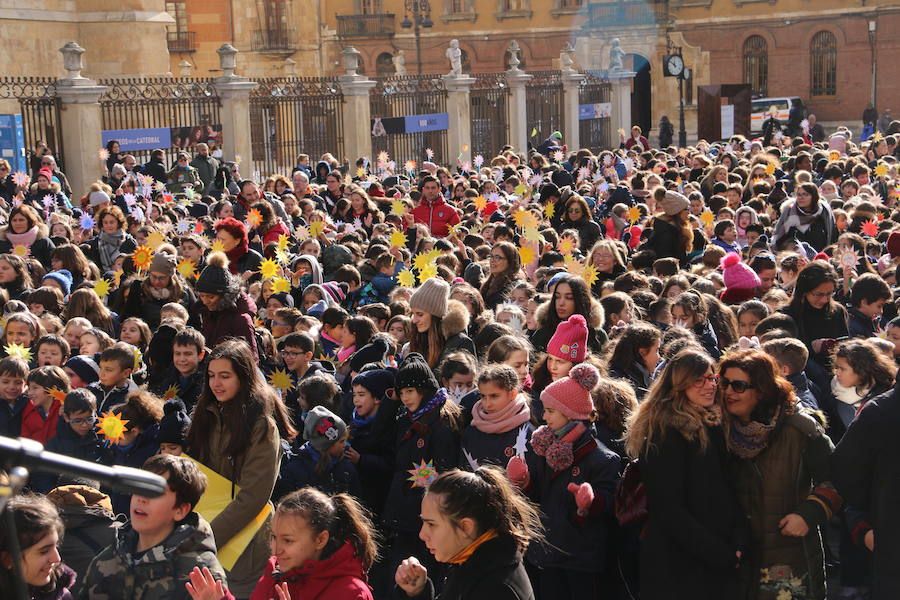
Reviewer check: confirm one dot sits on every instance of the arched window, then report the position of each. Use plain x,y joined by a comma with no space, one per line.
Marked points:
823,64
384,64
756,64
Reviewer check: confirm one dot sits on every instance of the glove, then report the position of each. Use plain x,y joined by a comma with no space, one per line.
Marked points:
517,471
584,496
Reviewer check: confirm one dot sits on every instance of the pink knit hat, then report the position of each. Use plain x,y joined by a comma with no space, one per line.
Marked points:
740,280
570,340
572,395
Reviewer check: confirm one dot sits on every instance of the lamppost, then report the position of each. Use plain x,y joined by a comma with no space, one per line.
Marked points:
873,25
421,17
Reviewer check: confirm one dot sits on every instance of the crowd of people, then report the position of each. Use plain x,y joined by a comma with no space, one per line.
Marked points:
642,372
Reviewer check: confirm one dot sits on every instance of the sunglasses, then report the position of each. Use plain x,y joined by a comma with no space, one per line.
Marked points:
737,385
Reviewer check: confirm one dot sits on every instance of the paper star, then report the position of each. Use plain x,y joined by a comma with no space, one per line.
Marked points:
834,155
112,427
429,153
870,228
398,207
20,179
478,161
280,284
427,272
154,240
302,233
566,246
849,259
47,201
283,242
168,198
361,172
316,228
558,156
454,229
172,392
281,380
549,210
406,278
21,250
526,254
425,258
480,202
383,157
143,256
881,170
525,219
583,173
103,153
572,265
56,394
254,217
398,239
422,474
138,358
218,246
182,227
634,214
532,235
86,223
770,169
268,268
521,190
186,268
281,257
102,287
589,274
19,351
410,166
707,218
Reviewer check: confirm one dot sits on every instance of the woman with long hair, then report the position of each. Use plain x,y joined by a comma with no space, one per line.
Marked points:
634,356
571,296
505,271
578,216
161,286
819,318
607,257
672,233
26,234
807,217
439,324
782,477
696,532
72,259
14,276
236,430
86,303
112,239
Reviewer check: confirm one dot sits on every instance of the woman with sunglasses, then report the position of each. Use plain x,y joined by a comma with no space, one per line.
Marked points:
782,477
578,217
184,176
696,533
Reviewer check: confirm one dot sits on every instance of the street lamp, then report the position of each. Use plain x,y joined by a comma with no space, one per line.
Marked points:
873,26
421,17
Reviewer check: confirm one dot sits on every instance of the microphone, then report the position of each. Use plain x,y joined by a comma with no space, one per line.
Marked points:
31,454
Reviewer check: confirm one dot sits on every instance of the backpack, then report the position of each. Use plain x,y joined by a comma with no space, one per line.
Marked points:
631,497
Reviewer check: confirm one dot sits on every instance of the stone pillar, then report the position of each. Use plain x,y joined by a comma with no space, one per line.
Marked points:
620,97
356,112
234,94
459,132
80,121
516,79
571,81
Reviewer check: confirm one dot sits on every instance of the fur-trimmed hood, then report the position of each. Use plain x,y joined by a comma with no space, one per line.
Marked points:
456,320
54,188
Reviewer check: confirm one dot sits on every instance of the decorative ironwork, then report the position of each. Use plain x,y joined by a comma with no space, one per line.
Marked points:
274,40
181,41
290,115
366,26
489,117
543,102
823,64
756,64
40,108
594,133
405,95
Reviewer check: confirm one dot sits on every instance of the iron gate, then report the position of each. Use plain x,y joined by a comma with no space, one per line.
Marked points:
40,108
403,96
594,133
294,115
489,118
189,108
543,102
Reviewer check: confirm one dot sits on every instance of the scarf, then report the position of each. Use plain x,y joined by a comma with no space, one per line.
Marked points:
852,396
235,254
109,244
435,401
556,447
748,440
507,418
345,353
22,239
358,422
464,554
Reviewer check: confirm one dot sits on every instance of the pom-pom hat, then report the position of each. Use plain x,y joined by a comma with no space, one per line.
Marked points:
740,280
570,340
571,395
174,424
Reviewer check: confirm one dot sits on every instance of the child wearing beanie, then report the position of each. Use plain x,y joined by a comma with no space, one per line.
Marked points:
501,420
173,427
573,478
567,348
740,280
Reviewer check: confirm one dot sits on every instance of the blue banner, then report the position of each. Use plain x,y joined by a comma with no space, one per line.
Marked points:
594,111
432,122
139,139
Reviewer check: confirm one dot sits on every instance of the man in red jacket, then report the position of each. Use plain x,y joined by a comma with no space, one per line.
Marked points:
432,210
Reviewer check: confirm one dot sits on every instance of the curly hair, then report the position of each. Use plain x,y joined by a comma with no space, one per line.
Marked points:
773,390
868,362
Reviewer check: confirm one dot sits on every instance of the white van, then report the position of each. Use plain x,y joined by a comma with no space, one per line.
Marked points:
762,107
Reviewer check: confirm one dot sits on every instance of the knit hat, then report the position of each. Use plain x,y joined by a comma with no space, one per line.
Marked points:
97,198
554,280
431,297
571,395
414,372
893,244
216,277
379,382
85,367
740,280
323,428
48,173
570,340
162,263
63,278
335,291
286,299
674,203
317,309
174,424
373,352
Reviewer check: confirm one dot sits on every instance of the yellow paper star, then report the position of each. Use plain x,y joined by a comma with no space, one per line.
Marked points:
549,210
283,242
423,259
634,214
525,219
398,207
521,190
154,240
316,228
281,380
112,427
186,268
138,359
19,351
532,235
427,272
254,217
572,265
361,172
398,239
707,217
143,256
56,394
566,246
281,257
101,288
406,278
589,274
218,246
171,392
881,170
526,254
770,169
21,250
480,203
280,284
834,155
268,268
454,229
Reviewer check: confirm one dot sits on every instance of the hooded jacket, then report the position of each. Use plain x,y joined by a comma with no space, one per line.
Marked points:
339,577
438,216
454,326
233,319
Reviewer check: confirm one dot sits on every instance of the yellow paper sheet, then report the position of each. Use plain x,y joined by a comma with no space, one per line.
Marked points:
214,500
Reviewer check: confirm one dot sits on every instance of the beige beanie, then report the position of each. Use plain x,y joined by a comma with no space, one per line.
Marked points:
431,297
674,203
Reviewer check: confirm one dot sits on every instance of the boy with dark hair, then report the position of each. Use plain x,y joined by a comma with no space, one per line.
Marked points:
318,390
379,289
333,320
867,298
164,540
47,386
51,349
184,379
296,351
791,355
13,371
114,385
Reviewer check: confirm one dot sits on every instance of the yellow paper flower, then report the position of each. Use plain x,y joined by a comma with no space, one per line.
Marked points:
218,246
566,246
283,242
154,240
361,172
101,288
427,272
112,427
19,351
834,155
268,268
398,207
138,359
186,268
521,190
56,394
316,228
281,380
254,217
526,254
881,170
532,235
21,250
143,256
398,239
406,278
572,265
634,214
424,258
281,257
171,392
549,210
770,169
280,284
589,274
707,218
480,203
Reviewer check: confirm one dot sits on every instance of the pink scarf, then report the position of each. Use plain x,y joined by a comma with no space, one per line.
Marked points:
345,353
511,416
22,239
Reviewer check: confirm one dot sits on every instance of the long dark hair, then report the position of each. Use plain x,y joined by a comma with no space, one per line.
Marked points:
496,283
812,276
585,305
255,400
625,349
35,517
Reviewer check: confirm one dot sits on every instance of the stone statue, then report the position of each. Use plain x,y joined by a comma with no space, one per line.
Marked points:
565,58
400,63
616,54
454,55
513,56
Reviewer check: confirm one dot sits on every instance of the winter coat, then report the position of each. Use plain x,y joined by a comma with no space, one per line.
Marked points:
41,249
588,232
454,326
819,230
62,588
299,469
156,169
148,308
813,323
493,572
706,335
785,478
273,233
235,320
109,397
695,524
666,241
88,447
92,253
574,543
860,325
479,448
438,216
867,475
160,573
39,426
374,440
638,376
185,388
206,167
181,178
144,446
802,390
11,416
248,261
339,577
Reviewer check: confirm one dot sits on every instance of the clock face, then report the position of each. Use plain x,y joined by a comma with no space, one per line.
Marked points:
675,64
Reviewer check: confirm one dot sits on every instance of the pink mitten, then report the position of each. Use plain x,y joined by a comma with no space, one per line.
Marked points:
584,497
517,471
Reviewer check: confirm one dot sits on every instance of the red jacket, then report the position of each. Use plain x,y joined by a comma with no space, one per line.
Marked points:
35,427
438,216
630,143
272,234
339,577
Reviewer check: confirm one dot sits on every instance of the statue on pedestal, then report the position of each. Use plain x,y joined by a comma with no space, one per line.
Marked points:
400,63
616,54
565,58
454,55
513,56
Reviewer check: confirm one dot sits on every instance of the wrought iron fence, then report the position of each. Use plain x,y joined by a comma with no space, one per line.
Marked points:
489,118
40,109
403,96
188,107
543,104
293,115
594,132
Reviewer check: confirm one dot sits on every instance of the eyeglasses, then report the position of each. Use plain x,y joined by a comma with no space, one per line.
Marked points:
737,385
290,354
706,379
573,210
497,257
158,277
83,420
277,324
820,295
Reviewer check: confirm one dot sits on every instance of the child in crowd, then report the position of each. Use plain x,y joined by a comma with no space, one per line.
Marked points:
861,372
93,341
47,387
457,375
82,371
173,427
749,315
634,356
567,348
332,331
76,434
184,379
867,298
73,330
141,413
23,329
318,390
13,400
51,350
114,378
791,355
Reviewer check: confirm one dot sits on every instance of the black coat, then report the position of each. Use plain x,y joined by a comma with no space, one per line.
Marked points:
41,250
493,572
666,241
491,448
298,470
866,473
695,525
374,441
148,308
11,416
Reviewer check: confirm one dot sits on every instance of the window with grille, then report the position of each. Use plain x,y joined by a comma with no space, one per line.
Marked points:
178,11
823,64
756,64
369,7
569,3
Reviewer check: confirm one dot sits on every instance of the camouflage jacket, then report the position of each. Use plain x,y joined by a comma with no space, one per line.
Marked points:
120,572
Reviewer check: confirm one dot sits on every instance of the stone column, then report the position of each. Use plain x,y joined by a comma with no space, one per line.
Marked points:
516,79
80,121
234,94
459,132
620,97
571,80
356,112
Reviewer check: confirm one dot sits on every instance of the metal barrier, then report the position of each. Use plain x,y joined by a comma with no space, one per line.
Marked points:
40,108
403,96
489,118
543,104
594,133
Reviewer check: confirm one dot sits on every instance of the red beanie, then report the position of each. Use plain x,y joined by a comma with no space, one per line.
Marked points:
572,395
893,244
46,172
237,229
570,340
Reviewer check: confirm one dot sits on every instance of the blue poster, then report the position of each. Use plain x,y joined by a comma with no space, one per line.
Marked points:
432,122
139,139
594,111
